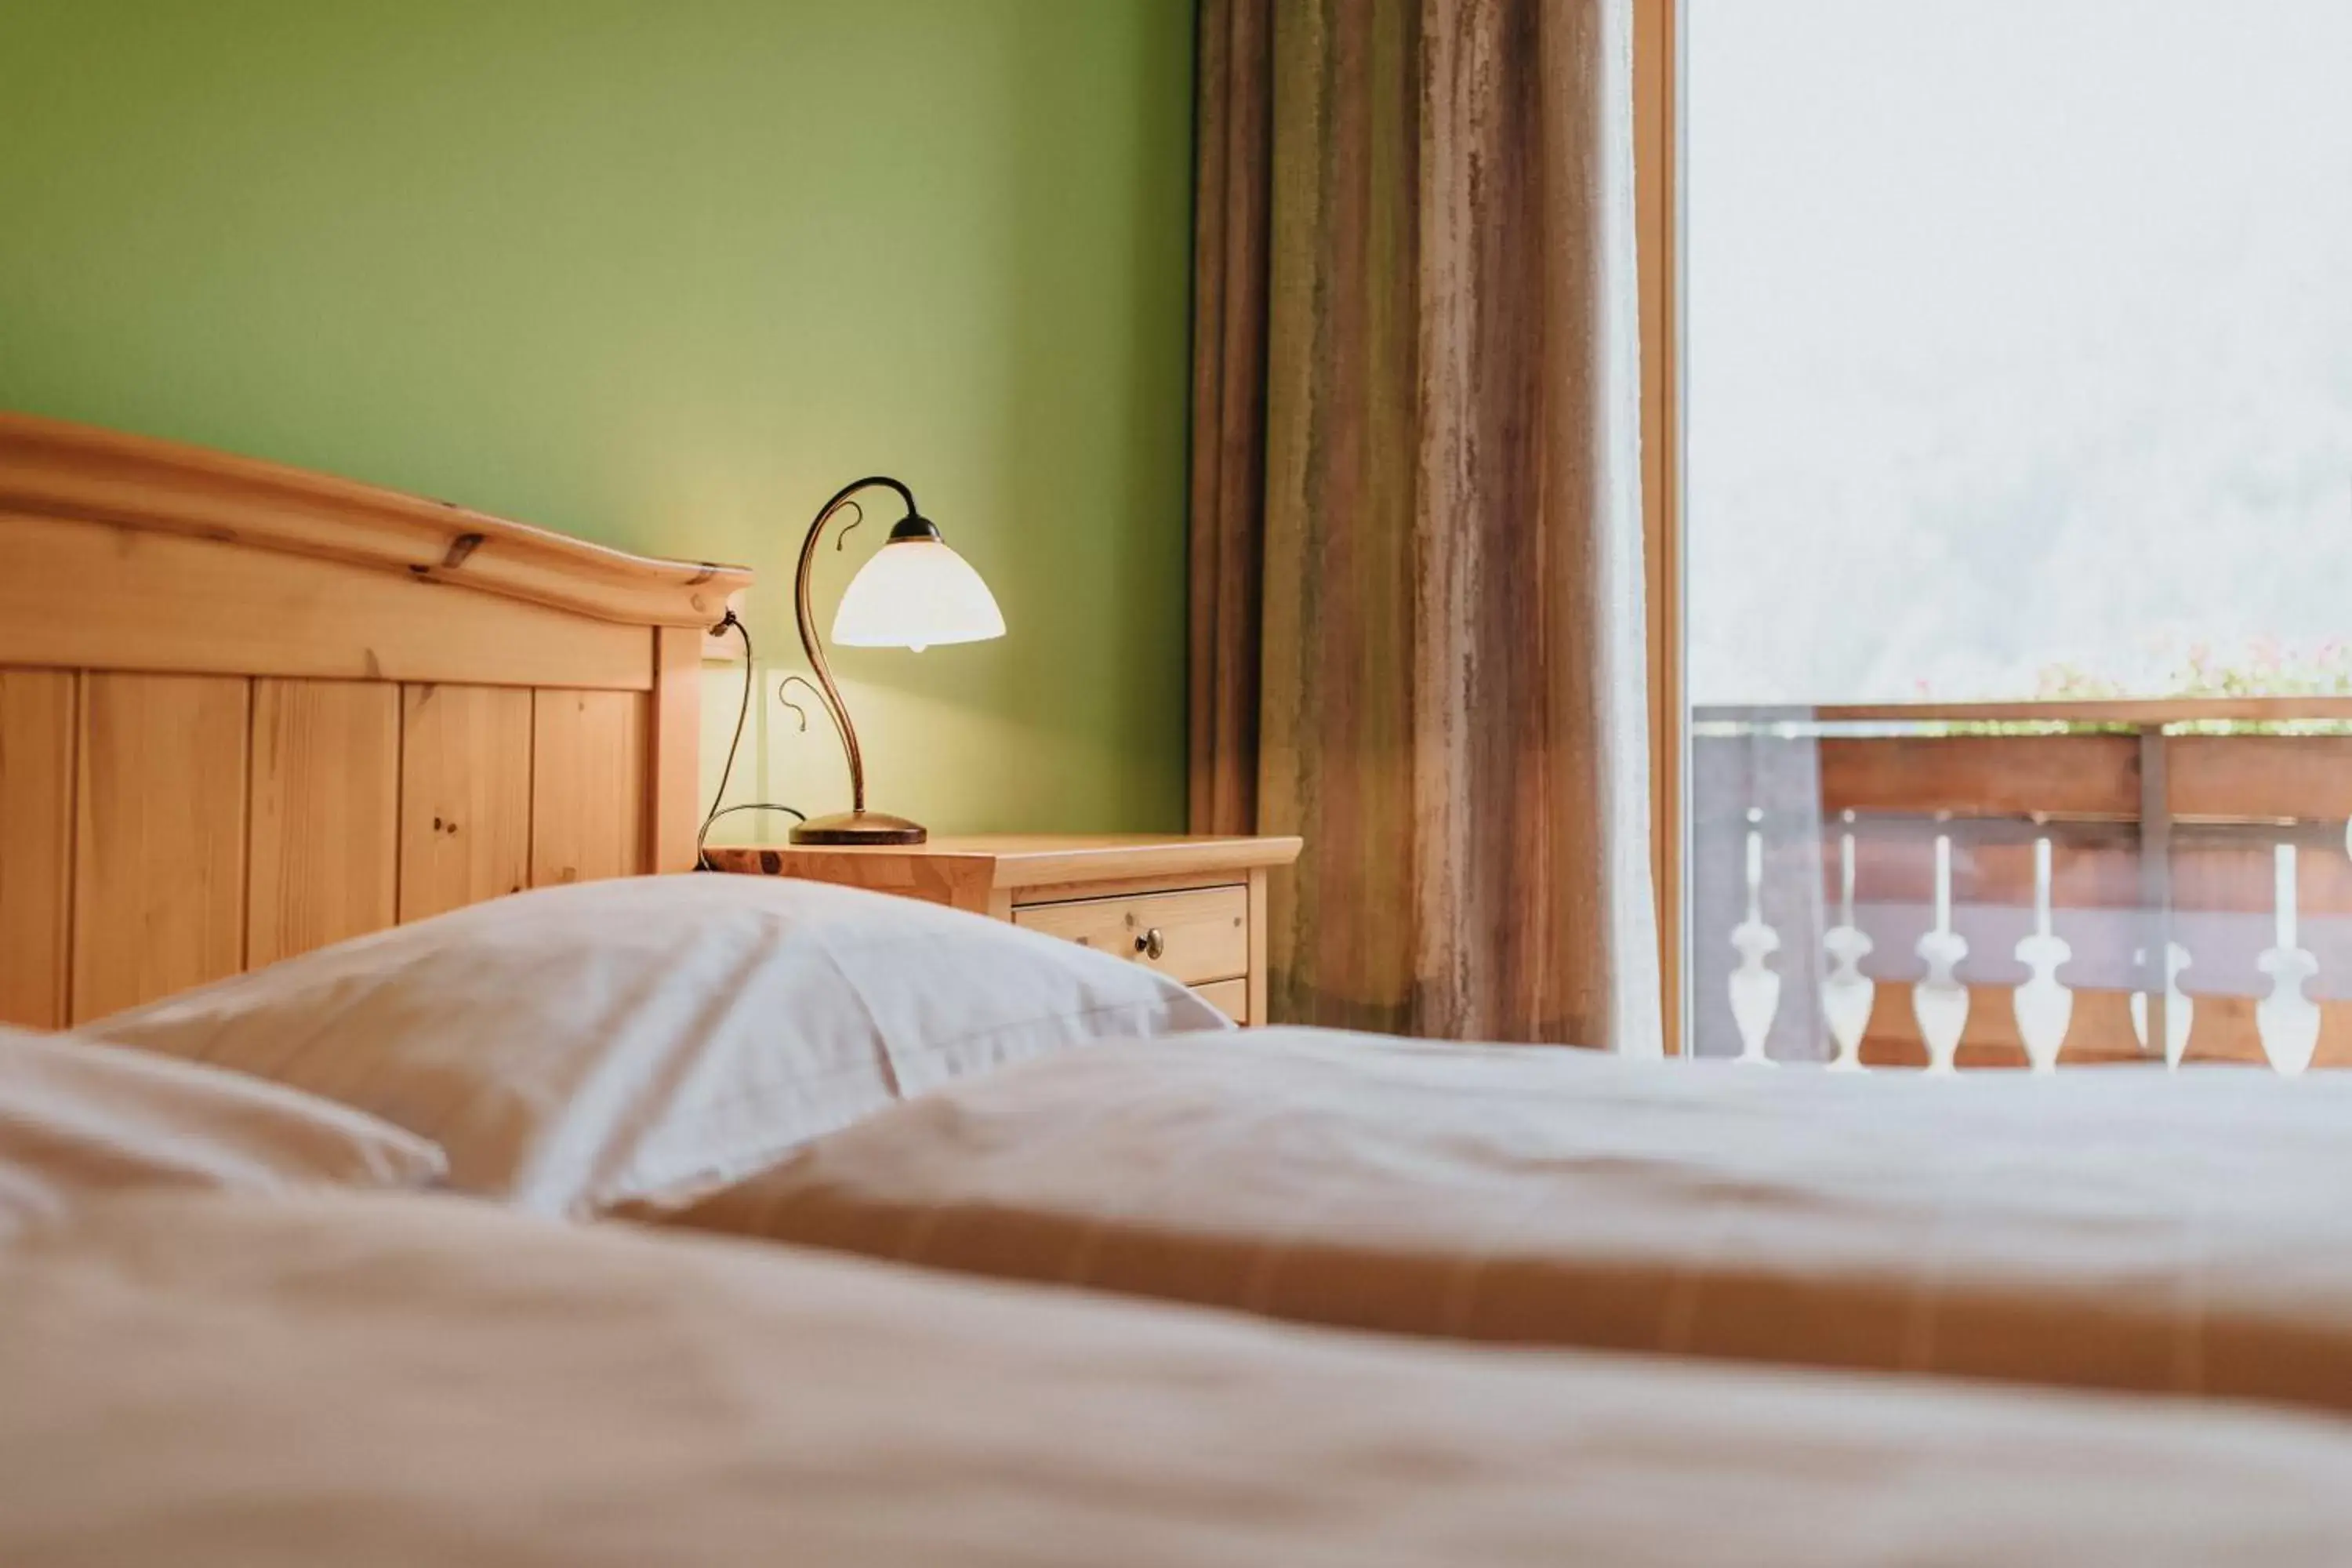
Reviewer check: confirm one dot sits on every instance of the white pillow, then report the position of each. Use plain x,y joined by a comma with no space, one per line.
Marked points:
645,1039
78,1119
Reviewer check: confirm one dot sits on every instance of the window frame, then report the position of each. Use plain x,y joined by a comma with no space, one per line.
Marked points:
1658,210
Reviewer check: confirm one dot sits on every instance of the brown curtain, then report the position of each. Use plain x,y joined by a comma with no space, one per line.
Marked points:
1417,633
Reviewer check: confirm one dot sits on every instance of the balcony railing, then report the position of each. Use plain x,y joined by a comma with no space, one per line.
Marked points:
2028,884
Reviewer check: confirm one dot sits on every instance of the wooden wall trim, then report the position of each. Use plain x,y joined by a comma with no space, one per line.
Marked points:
59,469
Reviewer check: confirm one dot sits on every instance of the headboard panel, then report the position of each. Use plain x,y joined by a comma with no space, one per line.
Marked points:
247,710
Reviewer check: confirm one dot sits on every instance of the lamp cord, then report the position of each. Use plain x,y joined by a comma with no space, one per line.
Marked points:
727,771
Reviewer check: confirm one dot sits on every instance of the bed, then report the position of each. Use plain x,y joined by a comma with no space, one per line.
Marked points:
278,747
248,710
400,1379
241,1329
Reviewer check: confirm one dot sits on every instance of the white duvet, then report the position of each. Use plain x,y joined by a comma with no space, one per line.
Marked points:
201,1382
2117,1228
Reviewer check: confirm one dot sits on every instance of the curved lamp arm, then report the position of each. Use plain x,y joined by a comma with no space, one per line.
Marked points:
831,693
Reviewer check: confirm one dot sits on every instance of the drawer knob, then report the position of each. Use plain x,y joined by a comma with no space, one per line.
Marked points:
1152,943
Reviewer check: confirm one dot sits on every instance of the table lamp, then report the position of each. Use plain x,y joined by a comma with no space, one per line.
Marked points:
913,593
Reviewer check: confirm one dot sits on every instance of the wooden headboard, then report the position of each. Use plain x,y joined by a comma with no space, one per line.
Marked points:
246,710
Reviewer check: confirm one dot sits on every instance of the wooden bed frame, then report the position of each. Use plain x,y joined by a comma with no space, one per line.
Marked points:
247,710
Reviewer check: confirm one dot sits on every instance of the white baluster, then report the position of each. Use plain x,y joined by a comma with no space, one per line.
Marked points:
1940,1003
2180,1011
2044,1007
1846,993
2286,1019
1755,989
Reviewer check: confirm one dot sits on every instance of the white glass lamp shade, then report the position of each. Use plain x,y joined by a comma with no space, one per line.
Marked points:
913,593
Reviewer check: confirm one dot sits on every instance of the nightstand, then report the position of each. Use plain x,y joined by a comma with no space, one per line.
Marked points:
1194,909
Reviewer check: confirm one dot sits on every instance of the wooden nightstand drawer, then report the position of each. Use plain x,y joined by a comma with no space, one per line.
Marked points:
1199,934
1230,997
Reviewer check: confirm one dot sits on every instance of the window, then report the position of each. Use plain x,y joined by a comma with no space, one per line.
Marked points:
2016,369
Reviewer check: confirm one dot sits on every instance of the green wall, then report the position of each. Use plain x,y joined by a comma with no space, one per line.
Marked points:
665,273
